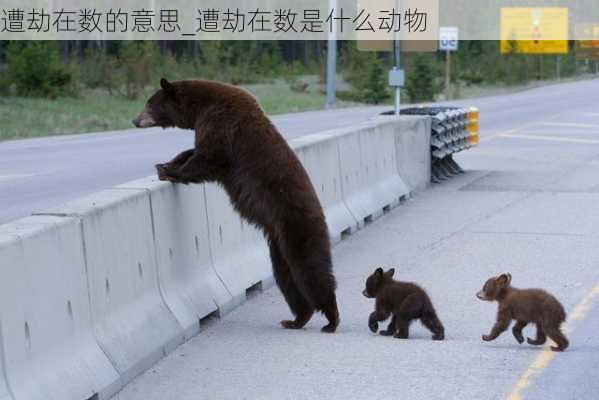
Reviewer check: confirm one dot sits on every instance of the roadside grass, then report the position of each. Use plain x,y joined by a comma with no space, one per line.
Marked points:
97,111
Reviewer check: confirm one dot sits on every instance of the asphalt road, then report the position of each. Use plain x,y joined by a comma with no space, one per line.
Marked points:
36,174
41,173
528,205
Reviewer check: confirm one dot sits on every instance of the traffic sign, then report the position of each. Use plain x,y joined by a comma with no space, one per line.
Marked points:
587,41
448,38
541,30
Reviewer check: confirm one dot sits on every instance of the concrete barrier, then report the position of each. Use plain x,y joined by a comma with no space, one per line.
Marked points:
319,155
371,181
48,343
190,286
120,278
239,251
132,324
412,147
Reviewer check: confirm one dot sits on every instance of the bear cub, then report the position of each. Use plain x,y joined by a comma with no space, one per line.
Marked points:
406,301
526,306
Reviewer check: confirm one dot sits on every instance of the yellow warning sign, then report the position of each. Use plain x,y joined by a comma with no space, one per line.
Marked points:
541,30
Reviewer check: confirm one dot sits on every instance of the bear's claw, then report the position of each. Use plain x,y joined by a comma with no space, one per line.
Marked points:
288,324
329,328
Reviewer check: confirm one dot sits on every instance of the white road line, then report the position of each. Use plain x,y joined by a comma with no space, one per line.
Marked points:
6,178
519,128
550,138
571,125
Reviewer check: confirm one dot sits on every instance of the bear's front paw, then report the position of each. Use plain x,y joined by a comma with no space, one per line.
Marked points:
519,338
374,326
487,338
164,174
288,324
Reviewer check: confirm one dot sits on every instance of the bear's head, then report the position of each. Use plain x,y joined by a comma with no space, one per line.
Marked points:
493,287
376,281
162,109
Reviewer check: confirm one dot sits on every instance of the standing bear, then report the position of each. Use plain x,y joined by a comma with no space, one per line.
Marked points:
237,146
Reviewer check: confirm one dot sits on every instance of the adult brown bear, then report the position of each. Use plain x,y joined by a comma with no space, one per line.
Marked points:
237,146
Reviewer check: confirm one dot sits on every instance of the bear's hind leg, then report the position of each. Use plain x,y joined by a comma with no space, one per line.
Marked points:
558,337
433,324
331,312
318,285
540,339
300,307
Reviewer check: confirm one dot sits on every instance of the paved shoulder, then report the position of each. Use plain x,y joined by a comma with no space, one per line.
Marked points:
530,209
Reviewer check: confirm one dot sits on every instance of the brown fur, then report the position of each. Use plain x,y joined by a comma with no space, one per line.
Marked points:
237,146
406,301
525,306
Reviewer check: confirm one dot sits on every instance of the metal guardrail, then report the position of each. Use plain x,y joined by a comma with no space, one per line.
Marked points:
453,130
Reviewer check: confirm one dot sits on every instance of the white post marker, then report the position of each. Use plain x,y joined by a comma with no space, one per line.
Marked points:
448,41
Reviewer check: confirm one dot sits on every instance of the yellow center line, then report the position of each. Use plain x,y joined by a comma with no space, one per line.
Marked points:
546,356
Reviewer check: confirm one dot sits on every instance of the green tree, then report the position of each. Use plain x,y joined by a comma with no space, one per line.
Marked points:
35,69
138,60
420,84
375,89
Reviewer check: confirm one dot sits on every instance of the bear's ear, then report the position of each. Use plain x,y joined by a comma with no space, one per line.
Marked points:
378,272
390,273
504,279
167,87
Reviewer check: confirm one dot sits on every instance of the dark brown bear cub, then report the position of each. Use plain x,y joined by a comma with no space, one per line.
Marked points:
525,306
406,301
238,147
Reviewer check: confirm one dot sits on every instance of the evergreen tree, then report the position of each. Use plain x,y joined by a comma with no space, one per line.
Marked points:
375,88
420,85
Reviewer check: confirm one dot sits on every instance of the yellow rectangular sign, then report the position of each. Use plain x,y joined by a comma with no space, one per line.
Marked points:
541,30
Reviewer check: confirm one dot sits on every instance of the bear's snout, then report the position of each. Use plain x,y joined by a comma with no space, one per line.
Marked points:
144,120
365,293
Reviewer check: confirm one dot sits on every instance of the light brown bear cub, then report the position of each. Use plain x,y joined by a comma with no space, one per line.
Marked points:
406,301
525,306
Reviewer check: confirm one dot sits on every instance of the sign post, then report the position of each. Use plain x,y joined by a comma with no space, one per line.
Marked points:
396,74
448,42
332,62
